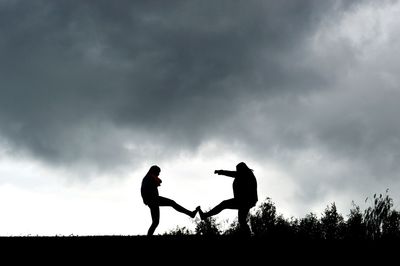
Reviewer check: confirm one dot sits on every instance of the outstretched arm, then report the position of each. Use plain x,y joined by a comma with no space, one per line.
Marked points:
225,172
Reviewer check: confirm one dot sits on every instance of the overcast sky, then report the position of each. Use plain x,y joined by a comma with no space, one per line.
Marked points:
92,93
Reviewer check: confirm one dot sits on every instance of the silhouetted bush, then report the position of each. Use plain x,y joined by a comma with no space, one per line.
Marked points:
355,228
391,225
309,227
378,221
179,231
208,227
262,222
332,223
233,229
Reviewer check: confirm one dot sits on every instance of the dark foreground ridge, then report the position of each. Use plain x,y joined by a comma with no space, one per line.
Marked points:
199,249
187,242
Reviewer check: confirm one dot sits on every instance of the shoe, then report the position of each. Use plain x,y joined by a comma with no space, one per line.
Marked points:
193,214
201,213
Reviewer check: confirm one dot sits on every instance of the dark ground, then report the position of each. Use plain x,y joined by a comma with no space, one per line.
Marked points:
192,249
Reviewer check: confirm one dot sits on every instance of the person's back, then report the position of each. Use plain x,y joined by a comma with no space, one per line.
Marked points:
245,188
149,186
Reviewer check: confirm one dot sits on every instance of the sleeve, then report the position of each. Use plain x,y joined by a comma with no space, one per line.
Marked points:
227,173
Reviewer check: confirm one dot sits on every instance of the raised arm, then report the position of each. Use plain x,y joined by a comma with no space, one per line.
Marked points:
225,172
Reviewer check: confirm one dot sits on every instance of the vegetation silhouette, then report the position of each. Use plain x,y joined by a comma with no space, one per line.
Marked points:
380,221
244,196
153,200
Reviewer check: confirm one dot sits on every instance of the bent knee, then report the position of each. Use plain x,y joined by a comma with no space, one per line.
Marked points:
226,202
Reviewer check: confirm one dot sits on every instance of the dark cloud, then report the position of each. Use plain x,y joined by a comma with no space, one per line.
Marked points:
110,83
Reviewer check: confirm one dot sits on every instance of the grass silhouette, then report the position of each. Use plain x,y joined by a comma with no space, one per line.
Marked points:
380,221
365,235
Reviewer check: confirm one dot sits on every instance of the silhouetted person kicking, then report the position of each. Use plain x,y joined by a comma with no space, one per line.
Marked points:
244,196
152,199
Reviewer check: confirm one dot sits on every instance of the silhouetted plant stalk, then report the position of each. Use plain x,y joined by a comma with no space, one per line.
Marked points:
378,221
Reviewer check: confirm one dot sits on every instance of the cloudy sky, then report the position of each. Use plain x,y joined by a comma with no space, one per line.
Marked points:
92,93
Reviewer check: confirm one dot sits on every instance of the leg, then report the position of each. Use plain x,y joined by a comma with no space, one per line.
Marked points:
162,201
226,204
242,217
155,217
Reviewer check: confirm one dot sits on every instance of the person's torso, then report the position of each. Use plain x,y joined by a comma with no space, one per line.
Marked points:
149,188
245,189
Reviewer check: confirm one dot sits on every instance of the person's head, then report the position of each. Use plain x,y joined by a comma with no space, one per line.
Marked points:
242,168
154,170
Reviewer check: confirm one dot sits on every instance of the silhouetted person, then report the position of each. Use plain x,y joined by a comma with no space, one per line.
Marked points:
152,199
244,196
